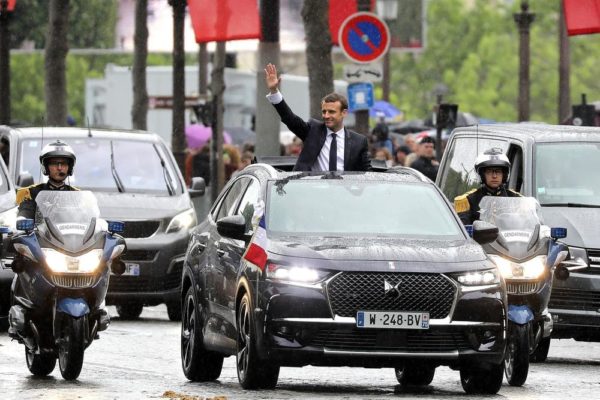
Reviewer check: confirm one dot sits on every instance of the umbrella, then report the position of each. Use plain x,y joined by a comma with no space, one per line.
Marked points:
382,108
197,135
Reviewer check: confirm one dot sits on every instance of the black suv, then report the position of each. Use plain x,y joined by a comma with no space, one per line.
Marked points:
355,269
558,165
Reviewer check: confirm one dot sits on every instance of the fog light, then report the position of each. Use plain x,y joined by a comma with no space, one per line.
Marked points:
487,334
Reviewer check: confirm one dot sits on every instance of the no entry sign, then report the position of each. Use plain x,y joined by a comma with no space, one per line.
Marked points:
364,37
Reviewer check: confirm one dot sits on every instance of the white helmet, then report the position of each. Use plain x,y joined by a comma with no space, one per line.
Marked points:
492,158
57,149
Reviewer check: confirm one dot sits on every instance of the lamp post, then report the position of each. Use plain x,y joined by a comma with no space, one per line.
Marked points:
6,8
523,21
388,11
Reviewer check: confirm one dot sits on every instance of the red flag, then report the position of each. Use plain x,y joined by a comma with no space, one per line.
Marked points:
339,10
582,16
223,20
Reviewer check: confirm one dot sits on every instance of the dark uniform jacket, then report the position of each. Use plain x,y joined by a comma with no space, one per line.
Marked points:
467,205
426,167
26,197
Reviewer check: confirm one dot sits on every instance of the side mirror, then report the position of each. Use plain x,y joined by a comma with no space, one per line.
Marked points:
25,179
198,187
233,226
484,232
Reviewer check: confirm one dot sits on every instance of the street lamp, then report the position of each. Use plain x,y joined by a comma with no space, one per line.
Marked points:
388,11
6,8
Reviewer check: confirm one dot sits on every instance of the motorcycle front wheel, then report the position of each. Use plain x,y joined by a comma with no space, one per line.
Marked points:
516,361
39,364
71,346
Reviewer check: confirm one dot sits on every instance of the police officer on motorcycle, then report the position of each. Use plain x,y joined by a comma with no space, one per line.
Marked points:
494,169
57,161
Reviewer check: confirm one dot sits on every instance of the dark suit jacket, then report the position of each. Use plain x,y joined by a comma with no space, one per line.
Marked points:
313,134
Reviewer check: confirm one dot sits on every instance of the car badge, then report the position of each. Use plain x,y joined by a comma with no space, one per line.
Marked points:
392,265
392,290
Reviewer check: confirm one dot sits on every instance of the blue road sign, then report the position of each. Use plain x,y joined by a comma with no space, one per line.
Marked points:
360,96
364,37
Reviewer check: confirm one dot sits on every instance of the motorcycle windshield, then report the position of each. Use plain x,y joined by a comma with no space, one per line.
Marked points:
70,213
518,221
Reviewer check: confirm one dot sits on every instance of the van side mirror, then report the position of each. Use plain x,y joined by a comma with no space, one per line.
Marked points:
484,232
198,187
25,179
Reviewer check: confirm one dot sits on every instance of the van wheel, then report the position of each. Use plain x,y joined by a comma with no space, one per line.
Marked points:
415,375
129,311
476,380
541,352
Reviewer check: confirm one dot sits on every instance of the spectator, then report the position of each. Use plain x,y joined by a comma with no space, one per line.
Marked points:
381,136
411,142
402,153
426,162
382,153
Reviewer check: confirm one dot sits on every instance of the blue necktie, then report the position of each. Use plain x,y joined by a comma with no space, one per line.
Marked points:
333,153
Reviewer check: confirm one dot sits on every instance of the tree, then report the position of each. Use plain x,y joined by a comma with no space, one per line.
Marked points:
178,142
318,52
56,53
139,109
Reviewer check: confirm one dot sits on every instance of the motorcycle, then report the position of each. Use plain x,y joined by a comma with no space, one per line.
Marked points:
63,265
527,252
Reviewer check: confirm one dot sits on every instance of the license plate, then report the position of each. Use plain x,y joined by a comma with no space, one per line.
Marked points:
132,269
393,320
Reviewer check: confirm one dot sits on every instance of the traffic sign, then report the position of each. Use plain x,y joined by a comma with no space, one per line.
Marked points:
363,72
364,37
360,96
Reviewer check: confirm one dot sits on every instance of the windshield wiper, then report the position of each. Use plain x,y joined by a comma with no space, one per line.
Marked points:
113,170
570,205
166,174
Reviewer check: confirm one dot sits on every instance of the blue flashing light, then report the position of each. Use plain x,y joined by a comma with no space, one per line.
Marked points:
116,226
26,224
558,233
4,230
469,229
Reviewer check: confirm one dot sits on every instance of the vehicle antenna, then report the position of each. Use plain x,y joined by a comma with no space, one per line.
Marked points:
41,147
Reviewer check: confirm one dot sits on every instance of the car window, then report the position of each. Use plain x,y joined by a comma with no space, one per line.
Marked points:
138,164
230,200
368,208
459,173
567,173
249,202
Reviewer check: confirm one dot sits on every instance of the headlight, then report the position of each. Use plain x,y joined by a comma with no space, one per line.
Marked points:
294,274
184,220
9,218
479,278
531,269
85,263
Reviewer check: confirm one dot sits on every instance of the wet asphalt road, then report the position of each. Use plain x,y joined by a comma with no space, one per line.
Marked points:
141,360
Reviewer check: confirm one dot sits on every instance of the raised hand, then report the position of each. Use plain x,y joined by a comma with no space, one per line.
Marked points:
271,78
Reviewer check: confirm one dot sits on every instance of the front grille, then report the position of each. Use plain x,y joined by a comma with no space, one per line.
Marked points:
173,278
573,299
72,281
139,255
521,287
391,340
353,291
594,262
133,284
140,229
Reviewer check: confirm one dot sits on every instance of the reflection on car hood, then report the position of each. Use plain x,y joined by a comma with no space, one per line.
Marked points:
126,206
581,223
377,249
7,201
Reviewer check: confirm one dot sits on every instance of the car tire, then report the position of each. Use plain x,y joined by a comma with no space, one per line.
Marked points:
415,375
516,359
174,311
199,364
477,380
253,373
40,364
129,311
541,352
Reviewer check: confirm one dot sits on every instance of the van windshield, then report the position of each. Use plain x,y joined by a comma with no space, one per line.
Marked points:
136,163
566,174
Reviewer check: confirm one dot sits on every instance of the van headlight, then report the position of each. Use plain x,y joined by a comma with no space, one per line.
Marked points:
479,278
184,220
531,269
295,274
85,263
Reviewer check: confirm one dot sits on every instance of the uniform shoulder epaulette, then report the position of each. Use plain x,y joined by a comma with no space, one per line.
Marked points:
516,193
24,194
461,203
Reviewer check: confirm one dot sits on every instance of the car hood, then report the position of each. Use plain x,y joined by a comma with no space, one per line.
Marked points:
126,206
581,223
426,254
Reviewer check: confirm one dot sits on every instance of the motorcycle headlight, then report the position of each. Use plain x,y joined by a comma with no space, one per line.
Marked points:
531,269
184,220
295,274
479,278
85,263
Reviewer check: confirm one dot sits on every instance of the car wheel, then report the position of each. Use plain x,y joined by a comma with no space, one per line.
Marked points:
541,352
174,311
415,375
40,364
516,361
252,372
199,364
129,311
477,380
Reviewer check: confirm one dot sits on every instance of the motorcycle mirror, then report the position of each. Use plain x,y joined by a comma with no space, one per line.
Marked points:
117,266
561,273
558,233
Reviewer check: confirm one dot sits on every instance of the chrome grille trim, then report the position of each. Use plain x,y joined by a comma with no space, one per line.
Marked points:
73,281
521,287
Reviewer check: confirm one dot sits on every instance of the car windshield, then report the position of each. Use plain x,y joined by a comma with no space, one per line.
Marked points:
137,165
567,174
336,207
